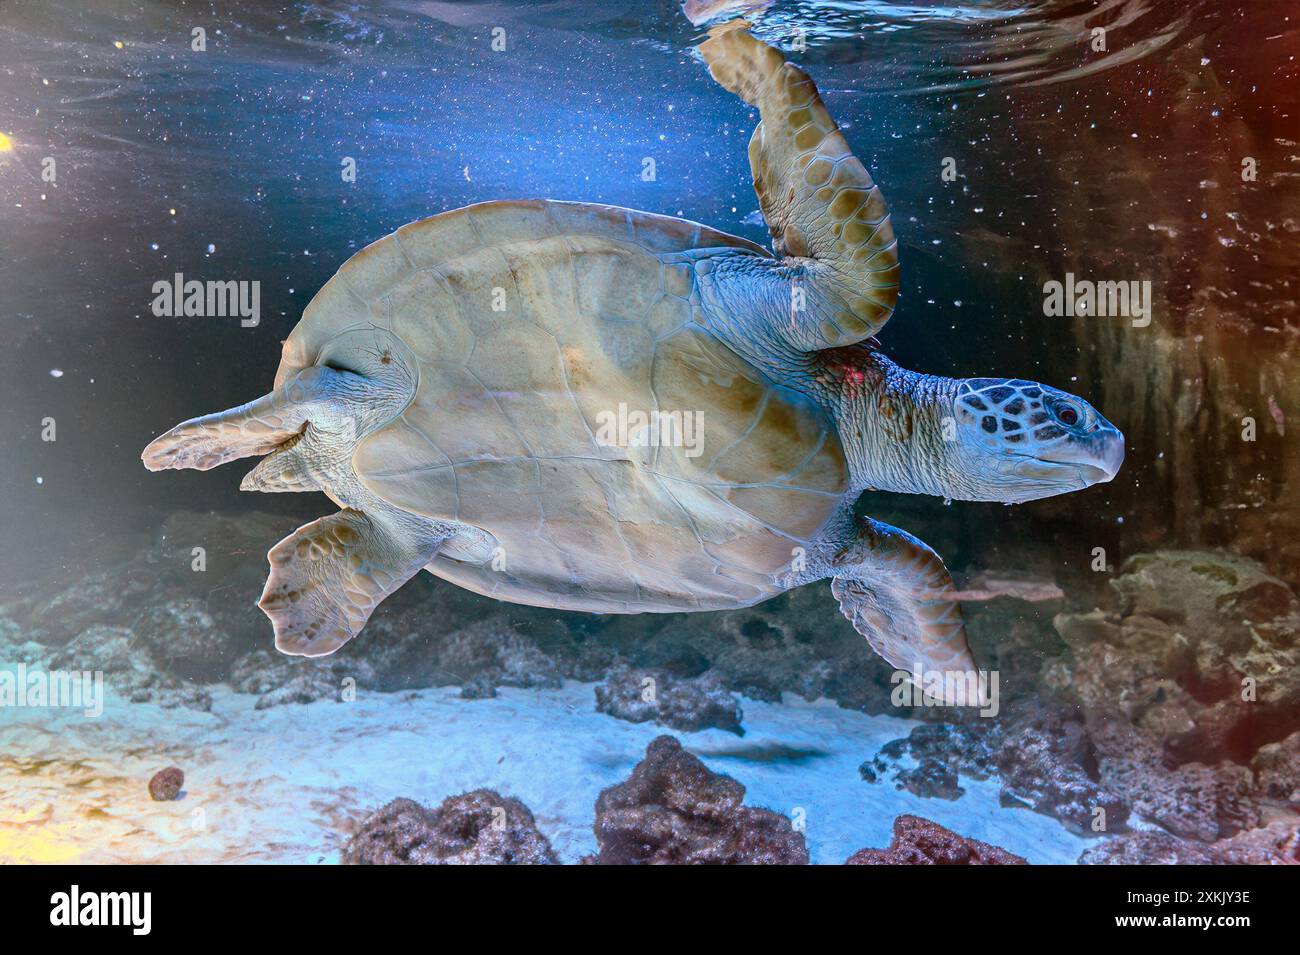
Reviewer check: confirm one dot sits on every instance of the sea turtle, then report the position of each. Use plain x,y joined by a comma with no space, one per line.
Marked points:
592,408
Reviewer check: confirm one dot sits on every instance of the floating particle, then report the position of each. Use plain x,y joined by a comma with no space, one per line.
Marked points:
56,372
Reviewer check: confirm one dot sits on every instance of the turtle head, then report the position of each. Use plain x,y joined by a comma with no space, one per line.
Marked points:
1022,441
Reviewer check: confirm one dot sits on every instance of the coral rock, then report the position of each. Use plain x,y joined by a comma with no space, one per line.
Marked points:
683,704
1195,801
166,784
673,809
1150,848
1277,769
279,680
1277,843
921,842
1042,757
476,828
128,668
931,779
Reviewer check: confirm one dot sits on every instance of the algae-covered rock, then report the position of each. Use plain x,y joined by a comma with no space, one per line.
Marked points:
475,828
1201,590
674,810
683,704
1202,656
919,841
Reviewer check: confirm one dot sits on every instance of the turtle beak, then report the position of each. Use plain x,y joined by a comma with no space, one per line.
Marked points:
1110,455
1093,459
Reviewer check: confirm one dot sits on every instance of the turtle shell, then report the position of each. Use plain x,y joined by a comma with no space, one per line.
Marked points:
570,404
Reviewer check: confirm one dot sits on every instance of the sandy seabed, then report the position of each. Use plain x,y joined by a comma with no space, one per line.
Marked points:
289,783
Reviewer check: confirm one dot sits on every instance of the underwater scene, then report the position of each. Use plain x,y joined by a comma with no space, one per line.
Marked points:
805,431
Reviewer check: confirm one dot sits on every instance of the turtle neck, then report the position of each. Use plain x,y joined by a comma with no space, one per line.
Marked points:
892,423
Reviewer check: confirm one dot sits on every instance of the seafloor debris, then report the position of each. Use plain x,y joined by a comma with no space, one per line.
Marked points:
476,828
918,841
166,784
674,809
641,696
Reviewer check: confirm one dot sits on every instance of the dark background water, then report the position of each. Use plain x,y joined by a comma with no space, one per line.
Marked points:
225,164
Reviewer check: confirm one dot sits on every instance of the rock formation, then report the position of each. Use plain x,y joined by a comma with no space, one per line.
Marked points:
475,828
674,810
683,704
918,841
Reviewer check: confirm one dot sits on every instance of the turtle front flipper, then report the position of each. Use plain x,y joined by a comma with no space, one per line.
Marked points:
897,593
328,576
824,212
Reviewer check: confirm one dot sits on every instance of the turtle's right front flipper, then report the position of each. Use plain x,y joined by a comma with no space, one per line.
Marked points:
897,593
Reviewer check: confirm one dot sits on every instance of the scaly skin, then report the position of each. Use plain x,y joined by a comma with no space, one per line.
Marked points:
889,419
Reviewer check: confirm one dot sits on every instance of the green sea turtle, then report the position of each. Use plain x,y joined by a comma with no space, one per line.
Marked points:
592,408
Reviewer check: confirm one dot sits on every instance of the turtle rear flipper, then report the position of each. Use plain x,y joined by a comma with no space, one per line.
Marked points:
313,396
819,201
328,576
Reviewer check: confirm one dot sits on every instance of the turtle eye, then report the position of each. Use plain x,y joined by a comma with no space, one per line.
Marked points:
1068,413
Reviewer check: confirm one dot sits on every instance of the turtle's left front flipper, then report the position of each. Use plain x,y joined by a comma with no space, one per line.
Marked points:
827,217
897,593
328,576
